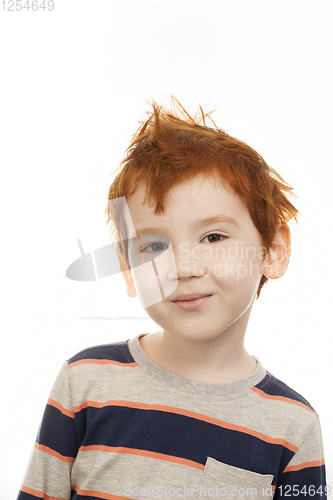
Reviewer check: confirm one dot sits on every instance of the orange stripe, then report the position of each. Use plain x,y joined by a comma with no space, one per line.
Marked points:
315,463
144,453
100,362
48,450
281,398
63,410
39,494
191,414
98,494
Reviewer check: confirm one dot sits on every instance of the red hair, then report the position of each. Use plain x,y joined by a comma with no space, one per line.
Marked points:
171,147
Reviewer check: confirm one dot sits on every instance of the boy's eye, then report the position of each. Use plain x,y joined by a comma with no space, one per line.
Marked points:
155,247
158,247
214,235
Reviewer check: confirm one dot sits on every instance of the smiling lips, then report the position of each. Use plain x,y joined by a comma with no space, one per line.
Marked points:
191,302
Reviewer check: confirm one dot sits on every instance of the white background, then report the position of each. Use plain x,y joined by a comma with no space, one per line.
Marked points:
74,84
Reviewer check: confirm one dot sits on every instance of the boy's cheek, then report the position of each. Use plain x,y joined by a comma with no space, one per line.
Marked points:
247,270
156,279
147,285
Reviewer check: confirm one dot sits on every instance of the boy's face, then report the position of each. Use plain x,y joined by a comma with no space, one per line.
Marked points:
222,259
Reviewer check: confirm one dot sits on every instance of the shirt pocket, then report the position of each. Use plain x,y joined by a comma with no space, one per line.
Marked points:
225,482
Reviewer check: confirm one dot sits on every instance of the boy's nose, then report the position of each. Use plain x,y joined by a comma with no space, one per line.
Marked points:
189,262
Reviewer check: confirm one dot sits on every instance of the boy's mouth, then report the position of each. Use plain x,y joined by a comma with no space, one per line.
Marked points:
191,296
191,302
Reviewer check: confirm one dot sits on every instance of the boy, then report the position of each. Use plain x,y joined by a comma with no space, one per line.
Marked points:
201,224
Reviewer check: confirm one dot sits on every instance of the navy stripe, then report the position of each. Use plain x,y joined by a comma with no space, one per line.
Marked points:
76,496
57,431
180,436
272,386
26,496
311,476
118,351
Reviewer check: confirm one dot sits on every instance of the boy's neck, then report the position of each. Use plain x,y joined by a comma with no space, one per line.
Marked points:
220,361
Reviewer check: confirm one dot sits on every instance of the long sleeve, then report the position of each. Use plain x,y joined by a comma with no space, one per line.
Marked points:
305,475
49,469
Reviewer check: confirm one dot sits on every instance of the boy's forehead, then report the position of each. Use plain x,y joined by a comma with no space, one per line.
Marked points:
199,201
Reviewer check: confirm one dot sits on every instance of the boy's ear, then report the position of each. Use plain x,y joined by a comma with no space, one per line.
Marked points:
278,256
127,273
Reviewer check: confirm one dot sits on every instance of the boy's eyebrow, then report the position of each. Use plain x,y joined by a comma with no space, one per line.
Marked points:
199,223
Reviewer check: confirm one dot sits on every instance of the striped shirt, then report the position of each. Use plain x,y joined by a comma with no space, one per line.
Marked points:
117,426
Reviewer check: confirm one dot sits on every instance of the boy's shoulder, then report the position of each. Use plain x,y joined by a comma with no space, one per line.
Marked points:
273,389
115,352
